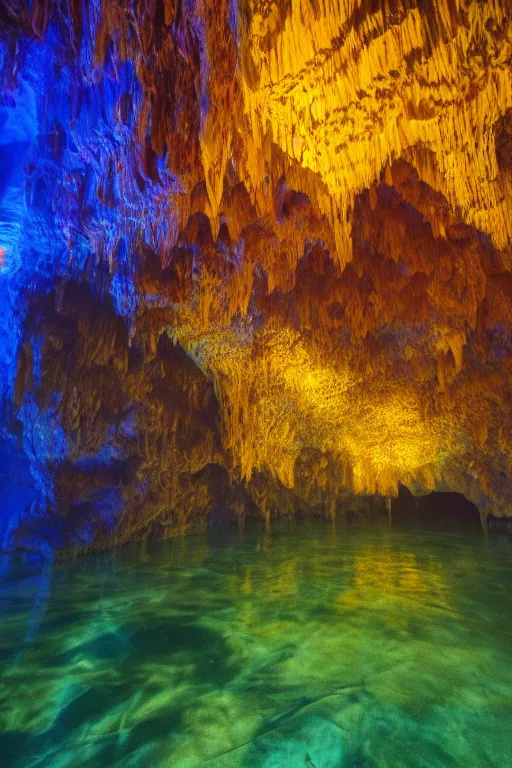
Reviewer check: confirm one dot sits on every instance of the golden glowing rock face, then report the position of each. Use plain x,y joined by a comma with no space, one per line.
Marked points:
343,92
388,119
281,402
337,249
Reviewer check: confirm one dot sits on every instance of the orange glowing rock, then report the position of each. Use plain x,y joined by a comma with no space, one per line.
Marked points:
338,258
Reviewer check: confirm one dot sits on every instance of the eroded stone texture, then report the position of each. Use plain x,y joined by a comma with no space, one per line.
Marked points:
260,256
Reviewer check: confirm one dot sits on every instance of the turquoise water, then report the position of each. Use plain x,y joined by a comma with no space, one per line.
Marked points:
314,647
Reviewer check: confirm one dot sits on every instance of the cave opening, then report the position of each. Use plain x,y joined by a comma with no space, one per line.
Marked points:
438,511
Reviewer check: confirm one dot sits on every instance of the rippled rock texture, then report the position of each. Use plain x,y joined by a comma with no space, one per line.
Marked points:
256,257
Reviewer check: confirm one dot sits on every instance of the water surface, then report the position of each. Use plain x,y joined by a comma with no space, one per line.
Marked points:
314,647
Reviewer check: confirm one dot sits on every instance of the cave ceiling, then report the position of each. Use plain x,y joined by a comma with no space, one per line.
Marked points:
256,254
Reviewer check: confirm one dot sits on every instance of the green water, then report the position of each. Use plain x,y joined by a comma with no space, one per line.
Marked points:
314,647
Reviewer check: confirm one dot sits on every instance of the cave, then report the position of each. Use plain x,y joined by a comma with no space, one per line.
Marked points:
255,383
437,511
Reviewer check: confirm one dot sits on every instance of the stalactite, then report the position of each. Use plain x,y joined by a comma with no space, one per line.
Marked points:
259,248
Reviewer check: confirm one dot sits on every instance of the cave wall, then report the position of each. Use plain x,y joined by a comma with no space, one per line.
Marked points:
254,256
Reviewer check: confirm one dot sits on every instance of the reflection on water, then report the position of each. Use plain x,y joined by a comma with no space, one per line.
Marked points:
396,584
316,646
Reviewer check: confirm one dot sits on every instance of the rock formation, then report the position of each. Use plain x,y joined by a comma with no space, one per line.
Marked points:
256,255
